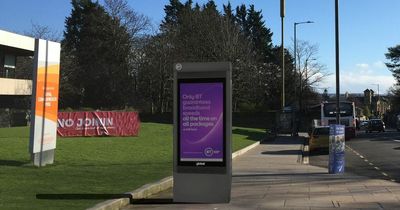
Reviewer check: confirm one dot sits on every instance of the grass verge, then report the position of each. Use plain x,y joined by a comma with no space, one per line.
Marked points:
96,165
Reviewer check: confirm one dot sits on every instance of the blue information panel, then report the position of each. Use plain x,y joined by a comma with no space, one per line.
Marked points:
336,149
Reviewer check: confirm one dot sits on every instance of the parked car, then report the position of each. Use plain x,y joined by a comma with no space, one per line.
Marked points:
319,138
363,124
375,125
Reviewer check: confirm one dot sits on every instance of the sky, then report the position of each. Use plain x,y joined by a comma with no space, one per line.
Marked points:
367,29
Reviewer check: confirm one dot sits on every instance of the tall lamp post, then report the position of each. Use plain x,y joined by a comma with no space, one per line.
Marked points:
283,53
295,52
337,61
295,40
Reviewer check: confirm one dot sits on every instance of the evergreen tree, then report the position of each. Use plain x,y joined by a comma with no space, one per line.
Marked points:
201,33
241,19
172,12
228,13
99,47
393,55
260,35
71,82
73,23
394,65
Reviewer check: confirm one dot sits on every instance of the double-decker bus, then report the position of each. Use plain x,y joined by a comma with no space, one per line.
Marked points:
347,116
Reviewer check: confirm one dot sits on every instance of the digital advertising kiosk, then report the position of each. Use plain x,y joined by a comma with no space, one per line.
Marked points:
202,132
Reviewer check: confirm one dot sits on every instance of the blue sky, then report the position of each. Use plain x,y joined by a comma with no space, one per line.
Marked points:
367,29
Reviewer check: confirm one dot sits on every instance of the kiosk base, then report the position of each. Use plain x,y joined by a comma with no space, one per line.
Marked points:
202,188
47,158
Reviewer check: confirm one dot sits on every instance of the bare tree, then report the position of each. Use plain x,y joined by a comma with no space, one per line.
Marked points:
311,71
43,32
135,23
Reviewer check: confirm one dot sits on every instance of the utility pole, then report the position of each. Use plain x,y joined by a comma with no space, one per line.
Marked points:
337,61
283,52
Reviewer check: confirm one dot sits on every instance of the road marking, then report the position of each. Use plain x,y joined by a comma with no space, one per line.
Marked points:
397,141
371,164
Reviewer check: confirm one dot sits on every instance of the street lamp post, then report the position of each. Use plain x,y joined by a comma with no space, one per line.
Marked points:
295,53
295,40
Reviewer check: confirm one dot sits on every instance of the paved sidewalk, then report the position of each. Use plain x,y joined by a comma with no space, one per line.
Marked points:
271,177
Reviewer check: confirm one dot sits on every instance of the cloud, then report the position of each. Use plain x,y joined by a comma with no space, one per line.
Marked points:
357,84
362,65
361,77
379,65
363,68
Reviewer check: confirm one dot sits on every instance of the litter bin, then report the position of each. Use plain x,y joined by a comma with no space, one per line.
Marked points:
336,149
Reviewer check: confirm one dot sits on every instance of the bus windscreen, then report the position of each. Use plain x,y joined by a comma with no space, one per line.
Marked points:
346,109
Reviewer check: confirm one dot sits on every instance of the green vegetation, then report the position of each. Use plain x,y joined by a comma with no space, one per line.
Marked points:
107,165
115,46
393,55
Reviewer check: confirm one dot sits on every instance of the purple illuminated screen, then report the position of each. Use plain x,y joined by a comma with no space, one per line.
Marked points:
201,121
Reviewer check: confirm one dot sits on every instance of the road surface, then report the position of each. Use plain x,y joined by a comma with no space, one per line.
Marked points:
374,155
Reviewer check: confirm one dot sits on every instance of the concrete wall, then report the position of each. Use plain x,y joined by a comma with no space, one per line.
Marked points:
15,87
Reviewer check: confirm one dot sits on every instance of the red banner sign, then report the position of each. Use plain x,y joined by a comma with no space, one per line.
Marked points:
98,124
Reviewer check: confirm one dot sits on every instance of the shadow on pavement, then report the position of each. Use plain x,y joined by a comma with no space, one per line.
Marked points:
319,152
282,152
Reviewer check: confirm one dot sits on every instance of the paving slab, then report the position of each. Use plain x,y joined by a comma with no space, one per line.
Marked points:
272,176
